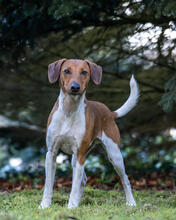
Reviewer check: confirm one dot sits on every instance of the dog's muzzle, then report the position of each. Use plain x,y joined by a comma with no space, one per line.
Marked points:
75,88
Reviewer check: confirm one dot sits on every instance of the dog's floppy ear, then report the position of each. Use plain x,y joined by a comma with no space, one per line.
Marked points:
54,70
95,71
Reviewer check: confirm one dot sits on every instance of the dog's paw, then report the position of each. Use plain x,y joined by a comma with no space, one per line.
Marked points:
131,203
44,204
72,205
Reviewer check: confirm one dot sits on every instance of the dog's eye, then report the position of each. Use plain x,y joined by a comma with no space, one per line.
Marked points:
66,71
84,73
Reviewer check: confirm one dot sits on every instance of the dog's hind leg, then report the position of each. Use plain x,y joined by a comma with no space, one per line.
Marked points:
116,159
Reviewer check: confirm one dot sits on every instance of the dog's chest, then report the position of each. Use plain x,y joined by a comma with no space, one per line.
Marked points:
66,132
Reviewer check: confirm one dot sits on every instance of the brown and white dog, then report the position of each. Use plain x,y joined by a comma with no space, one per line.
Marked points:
75,122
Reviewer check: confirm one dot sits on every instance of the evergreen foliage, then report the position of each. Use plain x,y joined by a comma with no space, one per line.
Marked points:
123,36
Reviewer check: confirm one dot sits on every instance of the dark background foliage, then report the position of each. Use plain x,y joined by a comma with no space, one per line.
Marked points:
123,36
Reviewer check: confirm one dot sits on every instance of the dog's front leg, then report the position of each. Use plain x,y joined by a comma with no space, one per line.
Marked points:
76,192
50,169
84,177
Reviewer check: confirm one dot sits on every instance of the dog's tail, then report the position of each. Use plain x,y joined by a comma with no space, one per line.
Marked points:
131,101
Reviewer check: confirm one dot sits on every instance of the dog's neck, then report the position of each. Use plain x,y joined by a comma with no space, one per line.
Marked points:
70,103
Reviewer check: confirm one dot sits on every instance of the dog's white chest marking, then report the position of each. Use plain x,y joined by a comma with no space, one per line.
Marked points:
66,130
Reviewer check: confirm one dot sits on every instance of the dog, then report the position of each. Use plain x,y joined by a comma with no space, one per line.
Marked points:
75,122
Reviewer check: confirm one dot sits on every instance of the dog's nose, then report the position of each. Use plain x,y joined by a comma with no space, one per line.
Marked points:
75,87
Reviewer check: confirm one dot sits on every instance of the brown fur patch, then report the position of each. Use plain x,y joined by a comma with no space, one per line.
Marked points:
98,119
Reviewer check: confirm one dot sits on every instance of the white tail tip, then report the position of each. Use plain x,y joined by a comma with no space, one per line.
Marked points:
131,101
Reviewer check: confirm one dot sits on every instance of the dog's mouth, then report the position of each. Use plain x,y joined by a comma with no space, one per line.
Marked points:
75,93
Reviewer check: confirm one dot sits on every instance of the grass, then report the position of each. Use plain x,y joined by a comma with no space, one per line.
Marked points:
95,205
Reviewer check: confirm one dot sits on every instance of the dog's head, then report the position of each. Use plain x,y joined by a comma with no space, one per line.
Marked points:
74,74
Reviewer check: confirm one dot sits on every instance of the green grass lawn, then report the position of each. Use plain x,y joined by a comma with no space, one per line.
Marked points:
95,205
